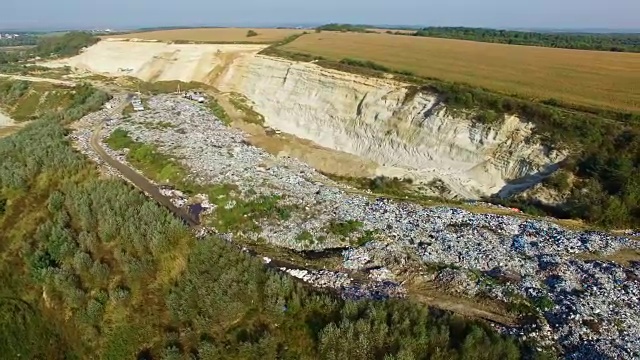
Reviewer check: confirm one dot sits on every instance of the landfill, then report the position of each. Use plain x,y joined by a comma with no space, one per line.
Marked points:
590,309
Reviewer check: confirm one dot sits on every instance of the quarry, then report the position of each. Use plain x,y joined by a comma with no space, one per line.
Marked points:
527,276
387,248
404,132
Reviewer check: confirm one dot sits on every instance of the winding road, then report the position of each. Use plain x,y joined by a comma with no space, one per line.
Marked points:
135,178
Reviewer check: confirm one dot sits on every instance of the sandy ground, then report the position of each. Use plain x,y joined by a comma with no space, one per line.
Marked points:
8,126
212,35
5,120
156,61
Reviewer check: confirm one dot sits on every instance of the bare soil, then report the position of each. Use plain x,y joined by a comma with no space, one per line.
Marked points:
212,35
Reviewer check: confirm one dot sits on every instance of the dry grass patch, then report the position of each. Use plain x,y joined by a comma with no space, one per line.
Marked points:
591,78
212,35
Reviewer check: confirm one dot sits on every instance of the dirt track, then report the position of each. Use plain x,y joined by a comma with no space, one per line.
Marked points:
138,180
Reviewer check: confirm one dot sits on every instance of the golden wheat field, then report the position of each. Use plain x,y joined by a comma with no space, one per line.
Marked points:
212,35
600,79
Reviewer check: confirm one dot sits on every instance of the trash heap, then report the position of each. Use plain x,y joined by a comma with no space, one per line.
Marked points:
591,309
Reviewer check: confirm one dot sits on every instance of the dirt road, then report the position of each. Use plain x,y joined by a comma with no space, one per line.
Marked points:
138,180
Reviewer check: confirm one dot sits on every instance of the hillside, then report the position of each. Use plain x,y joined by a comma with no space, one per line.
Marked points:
393,132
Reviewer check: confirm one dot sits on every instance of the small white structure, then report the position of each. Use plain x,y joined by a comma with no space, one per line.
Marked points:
137,104
195,96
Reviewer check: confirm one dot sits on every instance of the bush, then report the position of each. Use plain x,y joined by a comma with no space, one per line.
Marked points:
304,237
219,111
344,228
559,181
365,64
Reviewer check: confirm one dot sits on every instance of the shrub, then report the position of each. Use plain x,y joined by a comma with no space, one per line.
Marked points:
559,181
344,228
304,237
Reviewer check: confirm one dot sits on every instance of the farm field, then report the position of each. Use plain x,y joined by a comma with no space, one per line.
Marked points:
212,35
599,79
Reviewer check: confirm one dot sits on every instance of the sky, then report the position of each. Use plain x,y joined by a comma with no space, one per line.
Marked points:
128,14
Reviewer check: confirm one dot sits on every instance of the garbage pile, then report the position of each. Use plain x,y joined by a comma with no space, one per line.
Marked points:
589,308
349,289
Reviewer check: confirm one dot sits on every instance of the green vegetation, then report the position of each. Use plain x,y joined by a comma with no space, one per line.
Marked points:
346,28
582,41
619,42
145,157
162,87
219,111
159,125
250,115
105,273
373,66
559,181
251,33
383,184
543,303
344,229
24,39
242,216
367,236
69,44
305,237
25,100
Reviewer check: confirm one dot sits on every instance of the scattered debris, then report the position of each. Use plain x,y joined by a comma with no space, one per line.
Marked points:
589,308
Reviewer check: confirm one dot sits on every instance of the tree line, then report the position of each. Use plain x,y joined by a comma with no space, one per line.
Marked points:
622,42
68,44
21,40
91,268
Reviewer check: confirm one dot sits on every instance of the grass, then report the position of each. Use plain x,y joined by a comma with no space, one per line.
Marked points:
219,111
242,105
586,78
161,125
146,158
241,217
39,98
213,35
344,228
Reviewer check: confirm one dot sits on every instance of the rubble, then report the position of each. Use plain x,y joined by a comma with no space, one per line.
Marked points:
589,308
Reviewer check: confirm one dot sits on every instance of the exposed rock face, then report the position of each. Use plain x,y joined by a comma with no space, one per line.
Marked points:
408,134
